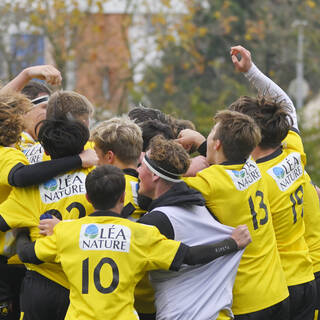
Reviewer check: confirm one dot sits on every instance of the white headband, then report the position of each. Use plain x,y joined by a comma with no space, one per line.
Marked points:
163,175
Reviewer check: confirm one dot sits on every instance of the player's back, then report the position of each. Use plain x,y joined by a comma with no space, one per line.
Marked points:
237,194
62,196
104,256
311,216
284,173
144,293
9,158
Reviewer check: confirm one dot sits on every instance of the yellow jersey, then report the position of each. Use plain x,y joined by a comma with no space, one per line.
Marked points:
311,217
131,196
284,173
9,158
63,196
103,257
32,149
144,293
237,194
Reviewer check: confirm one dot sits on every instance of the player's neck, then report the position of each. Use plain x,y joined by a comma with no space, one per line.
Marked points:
121,165
31,133
161,188
117,208
259,153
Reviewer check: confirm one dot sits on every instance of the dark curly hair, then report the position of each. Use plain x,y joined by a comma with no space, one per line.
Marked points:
61,138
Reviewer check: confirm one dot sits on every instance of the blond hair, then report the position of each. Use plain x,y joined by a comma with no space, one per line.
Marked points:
120,135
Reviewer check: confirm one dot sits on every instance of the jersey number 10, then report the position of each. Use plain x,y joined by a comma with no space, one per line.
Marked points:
96,276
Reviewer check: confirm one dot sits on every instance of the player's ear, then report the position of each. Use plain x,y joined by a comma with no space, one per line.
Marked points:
121,199
155,177
217,144
87,197
109,157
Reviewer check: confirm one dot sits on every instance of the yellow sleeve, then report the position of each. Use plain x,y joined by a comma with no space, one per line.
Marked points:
201,183
20,209
10,157
46,248
161,251
293,141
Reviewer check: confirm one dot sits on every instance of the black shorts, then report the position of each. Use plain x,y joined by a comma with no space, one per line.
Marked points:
147,316
317,280
302,301
279,311
42,298
11,277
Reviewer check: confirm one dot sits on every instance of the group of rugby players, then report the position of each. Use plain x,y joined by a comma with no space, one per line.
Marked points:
122,223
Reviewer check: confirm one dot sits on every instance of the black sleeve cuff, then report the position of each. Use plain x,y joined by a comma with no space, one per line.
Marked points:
12,173
4,227
179,257
25,249
203,148
159,220
203,254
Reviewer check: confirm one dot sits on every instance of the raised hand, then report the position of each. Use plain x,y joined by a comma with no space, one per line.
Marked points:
245,62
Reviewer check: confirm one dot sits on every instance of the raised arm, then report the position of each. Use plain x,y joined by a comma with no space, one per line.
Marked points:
261,82
47,73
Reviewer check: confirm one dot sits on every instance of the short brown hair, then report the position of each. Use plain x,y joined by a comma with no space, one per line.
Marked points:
238,133
120,135
62,103
169,155
272,117
13,106
34,88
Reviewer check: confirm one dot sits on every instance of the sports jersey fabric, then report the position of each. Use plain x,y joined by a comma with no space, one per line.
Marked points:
311,216
64,196
144,293
131,196
195,292
104,256
9,158
284,171
236,194
32,149
284,174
